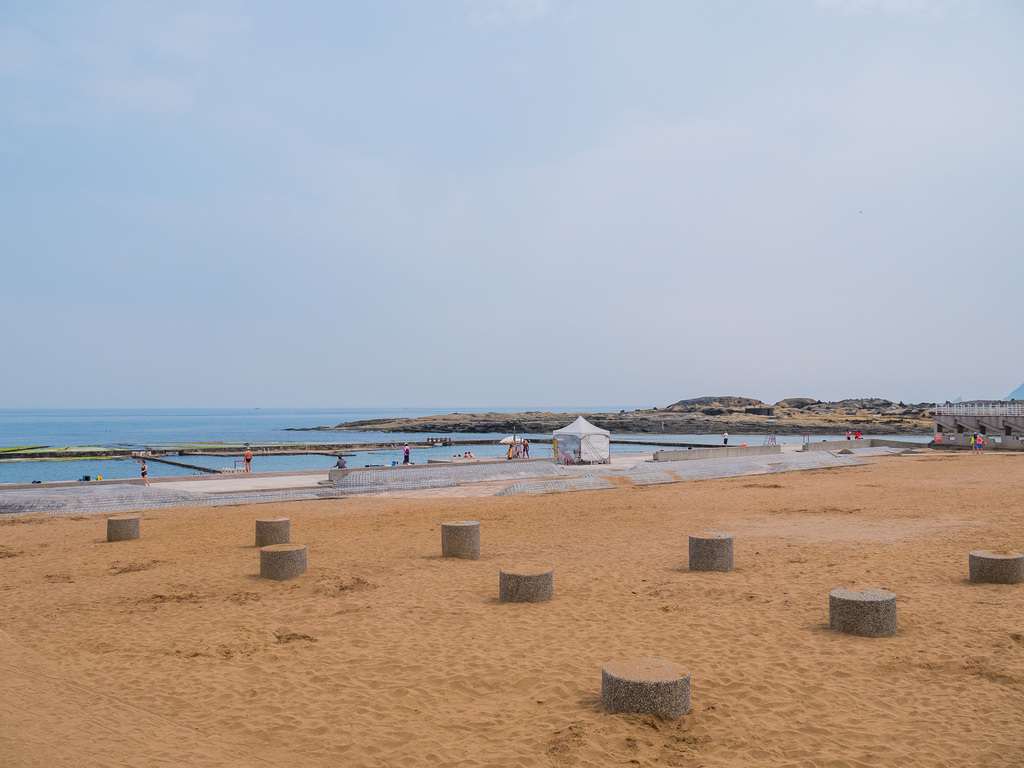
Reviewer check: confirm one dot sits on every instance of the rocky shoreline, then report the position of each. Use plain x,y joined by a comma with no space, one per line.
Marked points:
703,415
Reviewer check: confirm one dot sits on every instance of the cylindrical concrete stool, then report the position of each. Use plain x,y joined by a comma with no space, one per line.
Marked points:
460,538
997,567
122,528
526,584
273,530
711,552
646,685
282,561
871,613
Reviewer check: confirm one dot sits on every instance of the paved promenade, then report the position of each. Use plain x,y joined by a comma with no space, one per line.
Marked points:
485,478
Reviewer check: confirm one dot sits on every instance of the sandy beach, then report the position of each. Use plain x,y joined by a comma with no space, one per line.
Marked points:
170,651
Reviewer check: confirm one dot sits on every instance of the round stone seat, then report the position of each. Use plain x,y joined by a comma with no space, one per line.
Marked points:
460,538
526,584
646,685
871,613
123,527
711,552
273,530
988,567
282,561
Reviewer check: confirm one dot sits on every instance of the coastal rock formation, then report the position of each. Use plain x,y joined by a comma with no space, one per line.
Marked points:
713,406
700,415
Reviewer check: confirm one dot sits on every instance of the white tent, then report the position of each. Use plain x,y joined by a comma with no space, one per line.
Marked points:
582,443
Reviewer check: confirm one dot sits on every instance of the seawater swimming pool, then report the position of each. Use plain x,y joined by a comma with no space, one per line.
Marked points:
74,469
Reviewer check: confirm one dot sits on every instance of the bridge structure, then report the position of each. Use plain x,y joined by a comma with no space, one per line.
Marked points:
1001,422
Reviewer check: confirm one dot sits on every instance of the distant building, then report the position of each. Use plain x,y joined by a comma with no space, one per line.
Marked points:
1000,421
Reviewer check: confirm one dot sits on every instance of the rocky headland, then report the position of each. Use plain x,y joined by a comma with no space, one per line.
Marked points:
699,415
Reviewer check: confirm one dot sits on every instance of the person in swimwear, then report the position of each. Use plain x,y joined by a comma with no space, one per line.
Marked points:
248,459
145,473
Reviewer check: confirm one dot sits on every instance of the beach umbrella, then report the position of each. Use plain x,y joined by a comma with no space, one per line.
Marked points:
510,439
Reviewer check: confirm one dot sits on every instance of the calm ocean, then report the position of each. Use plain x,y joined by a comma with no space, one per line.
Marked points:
139,428
163,426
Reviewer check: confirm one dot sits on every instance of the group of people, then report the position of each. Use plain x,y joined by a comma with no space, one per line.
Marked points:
520,449
406,458
977,442
144,469
853,435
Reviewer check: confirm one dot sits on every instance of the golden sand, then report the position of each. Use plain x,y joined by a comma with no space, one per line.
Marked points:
169,650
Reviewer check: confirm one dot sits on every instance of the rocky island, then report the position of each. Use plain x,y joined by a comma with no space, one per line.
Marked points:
699,415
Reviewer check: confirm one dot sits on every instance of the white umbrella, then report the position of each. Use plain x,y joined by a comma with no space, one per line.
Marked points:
510,439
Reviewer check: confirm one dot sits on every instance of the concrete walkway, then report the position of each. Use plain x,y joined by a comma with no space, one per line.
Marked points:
447,481
254,481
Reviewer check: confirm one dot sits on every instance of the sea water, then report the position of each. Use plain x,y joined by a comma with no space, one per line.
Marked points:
138,428
155,428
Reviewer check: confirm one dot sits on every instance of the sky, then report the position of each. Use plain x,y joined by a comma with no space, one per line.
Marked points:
509,202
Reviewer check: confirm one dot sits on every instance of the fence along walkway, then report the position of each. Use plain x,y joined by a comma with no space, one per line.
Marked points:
980,409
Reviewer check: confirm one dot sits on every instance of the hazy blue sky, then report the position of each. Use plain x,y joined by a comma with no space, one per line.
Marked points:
519,202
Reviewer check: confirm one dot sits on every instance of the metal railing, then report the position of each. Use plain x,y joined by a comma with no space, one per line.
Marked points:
980,409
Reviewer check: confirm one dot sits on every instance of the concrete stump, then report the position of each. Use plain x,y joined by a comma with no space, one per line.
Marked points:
282,561
273,530
526,585
460,538
711,552
646,685
997,567
123,528
871,613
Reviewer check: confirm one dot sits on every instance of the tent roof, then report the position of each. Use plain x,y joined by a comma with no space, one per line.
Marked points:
581,427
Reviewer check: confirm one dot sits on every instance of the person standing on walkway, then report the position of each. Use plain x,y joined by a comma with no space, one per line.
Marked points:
145,473
725,438
248,459
405,454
